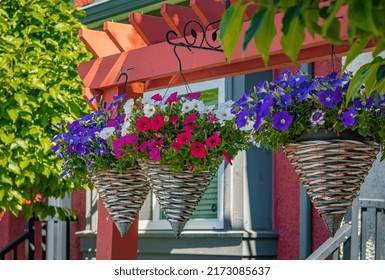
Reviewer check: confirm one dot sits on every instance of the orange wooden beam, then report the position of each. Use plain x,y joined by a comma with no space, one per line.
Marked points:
177,17
152,29
124,36
158,63
208,11
98,42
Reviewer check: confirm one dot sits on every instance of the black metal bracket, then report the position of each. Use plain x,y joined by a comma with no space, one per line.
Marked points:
121,73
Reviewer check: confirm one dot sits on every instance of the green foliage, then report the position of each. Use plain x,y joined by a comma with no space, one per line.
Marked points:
366,23
39,53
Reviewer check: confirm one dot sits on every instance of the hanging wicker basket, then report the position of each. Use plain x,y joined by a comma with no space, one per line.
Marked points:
178,194
332,170
122,194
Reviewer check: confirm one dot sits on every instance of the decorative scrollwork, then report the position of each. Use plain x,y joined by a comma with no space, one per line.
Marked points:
198,40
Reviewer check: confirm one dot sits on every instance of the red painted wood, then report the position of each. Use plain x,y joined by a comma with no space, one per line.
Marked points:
152,29
78,205
149,62
208,11
109,244
124,36
10,228
177,17
98,42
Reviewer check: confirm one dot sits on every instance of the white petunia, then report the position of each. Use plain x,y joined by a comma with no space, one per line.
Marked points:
249,125
224,113
146,100
129,106
149,110
126,128
186,107
226,104
197,105
106,132
208,109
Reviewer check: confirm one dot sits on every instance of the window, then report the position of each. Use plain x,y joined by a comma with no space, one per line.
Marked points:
209,212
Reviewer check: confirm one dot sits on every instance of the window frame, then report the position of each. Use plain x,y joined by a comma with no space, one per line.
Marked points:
197,223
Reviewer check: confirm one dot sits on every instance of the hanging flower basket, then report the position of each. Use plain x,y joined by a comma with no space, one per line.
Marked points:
122,194
332,169
178,193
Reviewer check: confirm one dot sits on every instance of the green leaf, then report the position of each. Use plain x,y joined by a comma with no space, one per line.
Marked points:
289,17
333,33
380,73
264,38
292,42
6,180
2,193
45,143
13,114
231,27
357,82
327,24
360,12
380,47
14,168
310,17
7,138
355,50
255,26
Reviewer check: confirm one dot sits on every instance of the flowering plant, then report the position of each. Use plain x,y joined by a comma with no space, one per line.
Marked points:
277,113
83,146
178,131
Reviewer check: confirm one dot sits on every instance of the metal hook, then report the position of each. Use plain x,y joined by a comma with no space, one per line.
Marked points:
121,73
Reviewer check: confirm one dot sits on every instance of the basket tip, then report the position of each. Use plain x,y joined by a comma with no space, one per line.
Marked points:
332,222
123,228
177,227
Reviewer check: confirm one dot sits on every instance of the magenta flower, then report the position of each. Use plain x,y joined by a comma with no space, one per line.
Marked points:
176,146
172,98
184,138
174,119
213,141
157,97
155,154
191,118
226,157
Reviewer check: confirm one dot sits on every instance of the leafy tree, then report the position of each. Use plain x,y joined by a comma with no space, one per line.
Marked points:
366,22
39,87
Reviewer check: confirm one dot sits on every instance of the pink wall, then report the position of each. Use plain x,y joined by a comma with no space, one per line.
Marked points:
79,206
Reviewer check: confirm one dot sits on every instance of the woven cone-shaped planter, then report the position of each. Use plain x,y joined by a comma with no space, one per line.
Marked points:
332,171
122,195
178,194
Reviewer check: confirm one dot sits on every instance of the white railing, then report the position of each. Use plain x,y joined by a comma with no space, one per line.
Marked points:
359,239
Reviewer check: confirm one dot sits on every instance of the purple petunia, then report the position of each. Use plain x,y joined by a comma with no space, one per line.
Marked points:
243,116
330,98
284,100
348,118
282,120
317,117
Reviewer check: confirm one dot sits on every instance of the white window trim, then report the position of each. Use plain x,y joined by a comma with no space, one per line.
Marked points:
193,224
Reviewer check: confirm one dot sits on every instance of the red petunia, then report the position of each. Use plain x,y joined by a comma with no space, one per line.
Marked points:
213,141
190,127
157,122
227,157
198,150
184,138
157,97
143,124
191,118
174,119
176,146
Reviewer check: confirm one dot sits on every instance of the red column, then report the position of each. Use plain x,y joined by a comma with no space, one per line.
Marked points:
109,244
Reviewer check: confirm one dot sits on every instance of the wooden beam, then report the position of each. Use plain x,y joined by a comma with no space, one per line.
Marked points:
98,42
152,29
124,36
177,17
208,11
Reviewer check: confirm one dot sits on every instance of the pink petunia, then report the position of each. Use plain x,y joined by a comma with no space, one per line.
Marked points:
191,169
184,138
119,154
143,124
198,150
157,97
155,154
190,127
227,157
112,123
176,146
193,95
211,118
213,141
191,118
172,98
157,122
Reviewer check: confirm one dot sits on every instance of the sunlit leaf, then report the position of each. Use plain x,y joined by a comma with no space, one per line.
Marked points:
264,38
